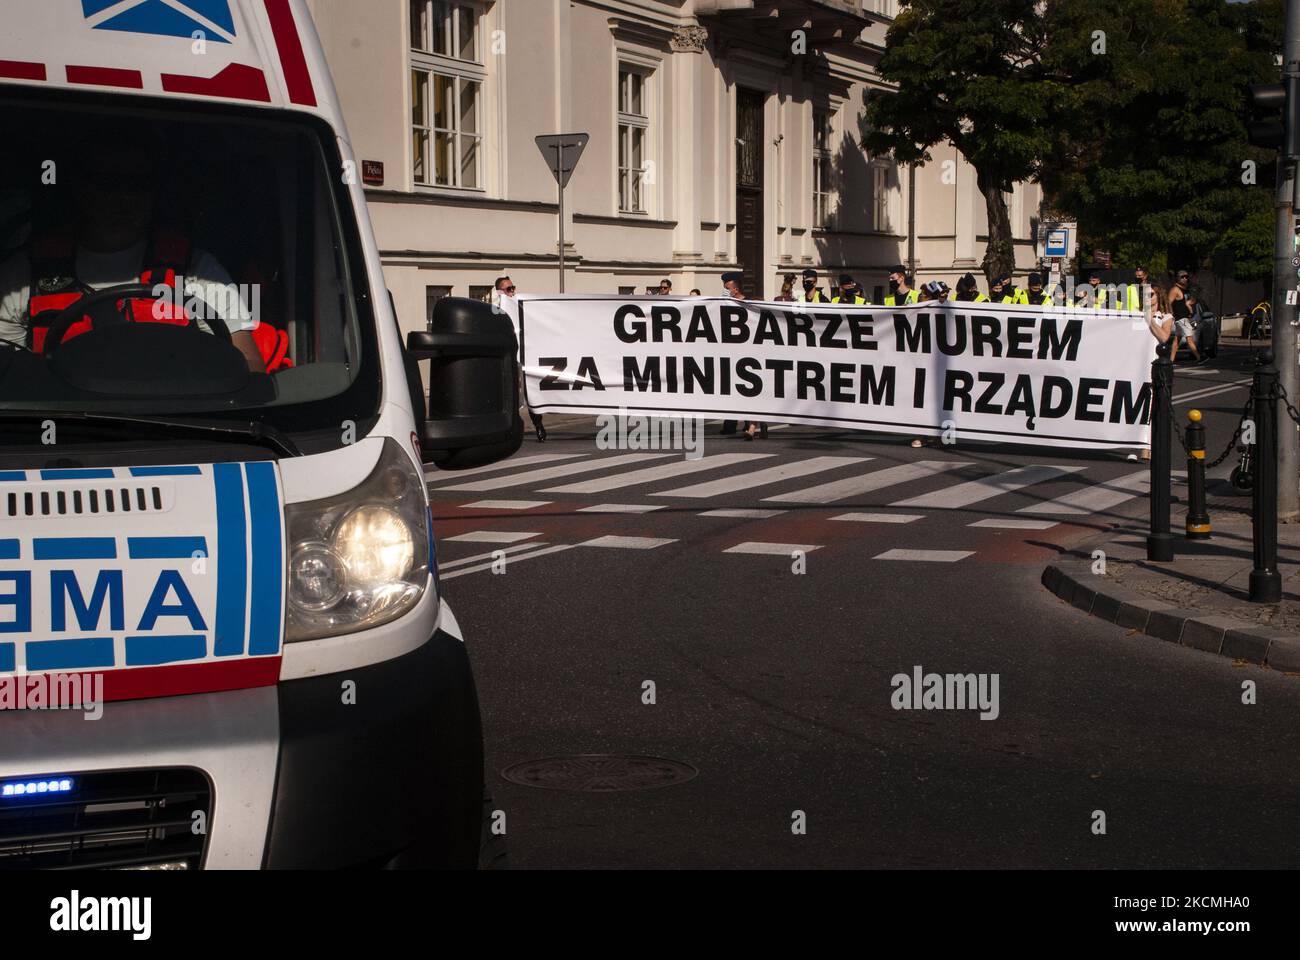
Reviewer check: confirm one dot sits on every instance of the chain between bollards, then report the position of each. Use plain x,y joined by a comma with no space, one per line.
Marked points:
1160,542
1265,581
1198,518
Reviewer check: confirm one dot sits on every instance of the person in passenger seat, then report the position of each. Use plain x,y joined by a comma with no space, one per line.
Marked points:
117,240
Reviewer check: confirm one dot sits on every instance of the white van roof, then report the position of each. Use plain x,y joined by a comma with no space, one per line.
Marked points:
254,52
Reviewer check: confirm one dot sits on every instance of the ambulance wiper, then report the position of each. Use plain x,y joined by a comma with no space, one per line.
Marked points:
256,432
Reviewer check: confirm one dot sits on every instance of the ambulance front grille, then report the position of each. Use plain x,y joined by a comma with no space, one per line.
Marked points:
82,500
128,819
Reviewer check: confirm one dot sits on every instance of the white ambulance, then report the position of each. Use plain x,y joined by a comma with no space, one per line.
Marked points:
222,643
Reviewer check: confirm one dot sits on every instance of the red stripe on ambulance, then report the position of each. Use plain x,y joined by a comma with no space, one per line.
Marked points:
106,77
297,77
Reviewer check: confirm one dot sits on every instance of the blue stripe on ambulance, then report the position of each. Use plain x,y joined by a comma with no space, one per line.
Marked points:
69,654
10,550
74,548
155,651
166,472
76,474
232,561
264,616
12,476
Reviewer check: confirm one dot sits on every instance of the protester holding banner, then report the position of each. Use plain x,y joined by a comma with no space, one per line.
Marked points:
849,292
1036,296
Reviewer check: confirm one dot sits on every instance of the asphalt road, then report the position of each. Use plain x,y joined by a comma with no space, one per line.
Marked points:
773,668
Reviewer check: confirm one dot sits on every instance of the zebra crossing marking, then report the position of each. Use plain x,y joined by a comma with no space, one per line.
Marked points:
627,543
926,556
432,472
507,504
880,517
664,471
491,536
868,482
1010,524
985,488
761,478
1097,497
760,548
739,514
552,473
622,508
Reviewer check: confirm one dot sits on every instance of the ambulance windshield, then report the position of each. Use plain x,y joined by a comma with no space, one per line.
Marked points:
184,262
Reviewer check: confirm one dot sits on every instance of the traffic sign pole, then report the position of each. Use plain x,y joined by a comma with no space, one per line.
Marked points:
562,152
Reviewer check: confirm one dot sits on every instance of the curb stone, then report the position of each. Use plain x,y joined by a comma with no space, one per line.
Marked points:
1074,582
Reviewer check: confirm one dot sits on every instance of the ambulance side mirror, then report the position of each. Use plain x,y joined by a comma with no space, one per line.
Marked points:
473,412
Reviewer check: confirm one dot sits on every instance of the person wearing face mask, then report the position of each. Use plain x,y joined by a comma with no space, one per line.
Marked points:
1036,296
811,292
849,292
968,290
1136,289
1094,296
901,291
1003,290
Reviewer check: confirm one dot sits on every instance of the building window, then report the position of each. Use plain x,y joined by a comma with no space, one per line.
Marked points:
633,133
821,140
431,297
447,76
482,293
627,291
880,197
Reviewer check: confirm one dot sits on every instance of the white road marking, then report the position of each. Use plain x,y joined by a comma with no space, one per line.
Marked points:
744,514
627,543
513,560
772,549
1101,496
867,482
761,478
996,524
622,508
926,556
664,471
554,473
879,517
507,504
491,536
434,472
1204,392
452,564
965,494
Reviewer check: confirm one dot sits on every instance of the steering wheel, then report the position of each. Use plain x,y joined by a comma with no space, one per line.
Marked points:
92,307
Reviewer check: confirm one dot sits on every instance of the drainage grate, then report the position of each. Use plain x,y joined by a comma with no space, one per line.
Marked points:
595,773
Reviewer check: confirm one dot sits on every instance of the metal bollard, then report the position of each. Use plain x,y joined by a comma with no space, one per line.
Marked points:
1198,518
1160,542
1265,581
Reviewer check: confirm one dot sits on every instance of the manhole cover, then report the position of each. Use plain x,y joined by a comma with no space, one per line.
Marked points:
599,774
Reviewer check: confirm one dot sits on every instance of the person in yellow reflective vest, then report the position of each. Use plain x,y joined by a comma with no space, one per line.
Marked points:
901,290
1094,298
849,292
1002,290
968,290
811,292
1036,296
1133,295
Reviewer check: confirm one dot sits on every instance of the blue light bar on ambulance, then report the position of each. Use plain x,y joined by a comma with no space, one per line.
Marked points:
27,788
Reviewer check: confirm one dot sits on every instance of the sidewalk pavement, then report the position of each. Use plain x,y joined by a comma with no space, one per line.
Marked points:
1199,600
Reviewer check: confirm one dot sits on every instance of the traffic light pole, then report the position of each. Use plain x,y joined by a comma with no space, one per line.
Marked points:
1285,278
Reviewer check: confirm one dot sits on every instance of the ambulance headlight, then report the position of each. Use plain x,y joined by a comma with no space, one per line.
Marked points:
359,559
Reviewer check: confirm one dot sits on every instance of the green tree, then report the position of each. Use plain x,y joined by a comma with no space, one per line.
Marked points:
975,73
1157,165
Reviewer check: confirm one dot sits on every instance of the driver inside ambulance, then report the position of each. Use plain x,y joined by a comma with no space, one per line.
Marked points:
116,240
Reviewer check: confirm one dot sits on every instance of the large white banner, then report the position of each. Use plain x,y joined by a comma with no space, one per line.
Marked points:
1002,373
